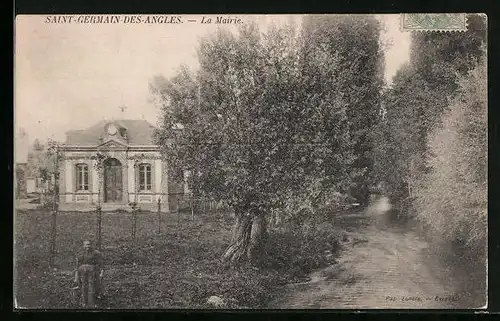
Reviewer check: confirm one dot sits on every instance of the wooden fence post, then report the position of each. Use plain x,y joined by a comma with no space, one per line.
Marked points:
134,222
192,209
54,221
177,209
53,231
99,227
159,218
99,159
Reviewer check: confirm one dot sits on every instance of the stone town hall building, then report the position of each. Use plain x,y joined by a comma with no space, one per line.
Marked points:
133,169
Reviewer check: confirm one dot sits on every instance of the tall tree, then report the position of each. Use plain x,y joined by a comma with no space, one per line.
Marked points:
39,161
420,94
452,198
263,122
352,42
402,133
441,59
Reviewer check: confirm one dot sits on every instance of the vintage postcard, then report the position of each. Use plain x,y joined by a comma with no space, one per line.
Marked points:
250,161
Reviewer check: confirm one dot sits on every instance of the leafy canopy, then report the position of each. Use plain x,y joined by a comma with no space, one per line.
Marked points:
265,119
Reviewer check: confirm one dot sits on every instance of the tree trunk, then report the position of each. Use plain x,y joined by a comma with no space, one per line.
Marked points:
248,237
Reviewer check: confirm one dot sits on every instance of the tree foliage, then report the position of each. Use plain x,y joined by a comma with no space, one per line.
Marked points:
352,49
267,115
452,197
420,94
272,118
40,161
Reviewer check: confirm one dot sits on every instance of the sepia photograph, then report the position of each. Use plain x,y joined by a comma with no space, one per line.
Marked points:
334,161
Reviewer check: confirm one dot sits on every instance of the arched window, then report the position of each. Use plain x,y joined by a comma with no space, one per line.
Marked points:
82,177
145,177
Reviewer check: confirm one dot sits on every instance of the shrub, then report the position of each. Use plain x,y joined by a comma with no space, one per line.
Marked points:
298,251
452,199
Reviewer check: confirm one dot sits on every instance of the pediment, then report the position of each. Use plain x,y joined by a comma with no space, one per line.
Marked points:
112,144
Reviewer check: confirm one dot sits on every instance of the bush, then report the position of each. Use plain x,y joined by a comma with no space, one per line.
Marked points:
290,255
296,252
452,199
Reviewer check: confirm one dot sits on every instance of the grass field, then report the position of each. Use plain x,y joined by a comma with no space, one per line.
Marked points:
177,268
174,269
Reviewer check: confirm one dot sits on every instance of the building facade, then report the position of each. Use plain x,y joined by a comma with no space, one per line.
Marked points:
132,170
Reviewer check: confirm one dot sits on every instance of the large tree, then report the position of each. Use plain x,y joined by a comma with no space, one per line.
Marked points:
263,121
452,198
43,163
419,95
352,41
39,161
441,59
402,132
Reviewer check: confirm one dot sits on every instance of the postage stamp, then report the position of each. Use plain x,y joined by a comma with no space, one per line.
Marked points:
434,21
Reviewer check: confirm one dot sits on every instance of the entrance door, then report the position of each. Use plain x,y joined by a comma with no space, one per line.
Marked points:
113,180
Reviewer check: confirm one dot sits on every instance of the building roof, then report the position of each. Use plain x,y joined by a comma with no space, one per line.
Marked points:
139,132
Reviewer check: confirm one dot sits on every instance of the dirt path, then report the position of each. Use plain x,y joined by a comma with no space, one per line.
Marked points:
381,267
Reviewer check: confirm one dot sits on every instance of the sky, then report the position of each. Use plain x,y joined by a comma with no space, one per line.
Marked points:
72,75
